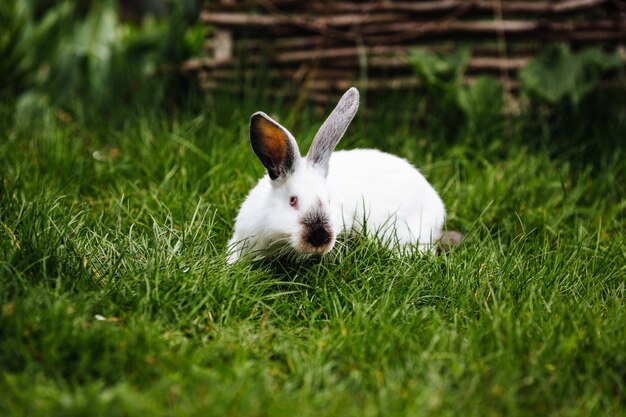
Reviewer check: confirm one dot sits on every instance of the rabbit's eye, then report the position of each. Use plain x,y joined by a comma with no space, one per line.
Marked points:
293,201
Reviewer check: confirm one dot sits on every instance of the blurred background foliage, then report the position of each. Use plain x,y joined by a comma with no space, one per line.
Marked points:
89,59
560,97
94,55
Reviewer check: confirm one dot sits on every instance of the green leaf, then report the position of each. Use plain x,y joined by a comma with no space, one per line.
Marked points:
482,101
437,71
558,74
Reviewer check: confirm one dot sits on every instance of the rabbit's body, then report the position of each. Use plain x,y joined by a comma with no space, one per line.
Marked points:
394,200
303,204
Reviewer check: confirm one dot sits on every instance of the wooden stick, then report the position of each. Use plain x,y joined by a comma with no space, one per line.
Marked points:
350,68
388,23
344,84
246,19
433,6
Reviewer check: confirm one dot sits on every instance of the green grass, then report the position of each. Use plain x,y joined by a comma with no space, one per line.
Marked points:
116,300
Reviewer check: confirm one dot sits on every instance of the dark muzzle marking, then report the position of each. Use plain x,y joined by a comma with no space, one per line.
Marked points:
317,231
318,237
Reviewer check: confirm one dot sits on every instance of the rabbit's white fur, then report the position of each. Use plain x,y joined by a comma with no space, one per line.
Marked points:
337,192
389,193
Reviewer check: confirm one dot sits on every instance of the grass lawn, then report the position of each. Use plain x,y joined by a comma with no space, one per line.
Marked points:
116,300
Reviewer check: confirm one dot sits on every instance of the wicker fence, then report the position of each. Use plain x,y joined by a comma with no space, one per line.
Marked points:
325,46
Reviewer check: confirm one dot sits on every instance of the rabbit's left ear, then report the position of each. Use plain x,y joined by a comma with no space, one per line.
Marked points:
273,145
333,130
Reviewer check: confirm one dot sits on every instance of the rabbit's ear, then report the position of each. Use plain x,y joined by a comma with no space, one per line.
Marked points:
332,130
274,145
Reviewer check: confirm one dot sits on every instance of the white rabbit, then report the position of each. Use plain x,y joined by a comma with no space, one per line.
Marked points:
303,204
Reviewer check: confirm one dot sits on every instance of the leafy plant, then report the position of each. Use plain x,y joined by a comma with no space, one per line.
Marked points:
560,85
465,107
76,56
567,103
28,40
560,75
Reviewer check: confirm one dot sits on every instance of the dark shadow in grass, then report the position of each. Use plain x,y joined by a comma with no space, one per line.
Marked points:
295,269
588,135
352,256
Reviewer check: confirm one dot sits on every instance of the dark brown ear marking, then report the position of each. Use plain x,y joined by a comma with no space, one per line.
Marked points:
272,145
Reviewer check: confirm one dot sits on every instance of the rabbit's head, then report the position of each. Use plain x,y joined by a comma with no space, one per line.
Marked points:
297,210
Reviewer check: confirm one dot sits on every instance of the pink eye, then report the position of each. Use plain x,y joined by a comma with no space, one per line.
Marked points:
293,201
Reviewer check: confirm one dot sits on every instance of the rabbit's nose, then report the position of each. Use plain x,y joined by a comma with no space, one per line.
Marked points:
318,237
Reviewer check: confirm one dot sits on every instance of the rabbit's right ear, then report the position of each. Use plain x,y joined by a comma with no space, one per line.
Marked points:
333,130
274,145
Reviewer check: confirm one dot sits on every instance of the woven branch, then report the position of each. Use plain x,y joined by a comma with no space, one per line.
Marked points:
329,45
